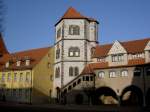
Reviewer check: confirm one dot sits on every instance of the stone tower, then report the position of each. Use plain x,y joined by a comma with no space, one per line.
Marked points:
76,36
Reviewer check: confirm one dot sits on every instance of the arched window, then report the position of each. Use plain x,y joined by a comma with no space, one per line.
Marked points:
76,71
101,74
70,71
92,51
112,74
74,30
57,72
124,73
58,32
74,52
71,52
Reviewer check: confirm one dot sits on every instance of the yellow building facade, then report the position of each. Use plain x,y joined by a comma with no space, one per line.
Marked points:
26,76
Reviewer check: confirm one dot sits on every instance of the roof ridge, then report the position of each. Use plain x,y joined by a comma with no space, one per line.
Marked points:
28,50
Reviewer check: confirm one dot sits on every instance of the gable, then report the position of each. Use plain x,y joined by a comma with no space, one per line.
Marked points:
117,48
147,46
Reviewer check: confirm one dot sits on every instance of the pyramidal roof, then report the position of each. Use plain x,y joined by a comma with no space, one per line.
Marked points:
72,13
3,49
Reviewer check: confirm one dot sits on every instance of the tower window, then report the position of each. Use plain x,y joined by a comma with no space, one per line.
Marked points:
71,71
58,32
76,71
74,52
74,30
92,51
57,72
57,53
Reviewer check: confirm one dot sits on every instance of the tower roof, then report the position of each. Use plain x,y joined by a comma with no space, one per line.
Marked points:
72,13
3,49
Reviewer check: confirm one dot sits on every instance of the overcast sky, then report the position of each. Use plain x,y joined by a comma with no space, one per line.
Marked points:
30,23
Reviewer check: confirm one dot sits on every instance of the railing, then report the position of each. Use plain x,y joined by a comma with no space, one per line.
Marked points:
76,81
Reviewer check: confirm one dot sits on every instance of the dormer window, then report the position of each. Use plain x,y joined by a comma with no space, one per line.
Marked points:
27,62
7,64
18,62
117,57
74,30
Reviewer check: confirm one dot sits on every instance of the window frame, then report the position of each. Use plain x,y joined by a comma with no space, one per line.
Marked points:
101,74
59,33
74,52
117,57
74,30
112,75
124,73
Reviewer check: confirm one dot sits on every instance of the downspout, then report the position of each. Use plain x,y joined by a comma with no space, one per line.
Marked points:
31,88
144,87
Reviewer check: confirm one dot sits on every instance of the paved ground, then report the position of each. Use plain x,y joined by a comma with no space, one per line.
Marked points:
11,107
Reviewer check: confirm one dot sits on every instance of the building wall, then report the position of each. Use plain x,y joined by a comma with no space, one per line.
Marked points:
16,89
43,79
119,83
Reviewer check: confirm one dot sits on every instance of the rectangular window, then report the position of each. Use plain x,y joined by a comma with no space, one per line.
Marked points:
15,77
9,77
137,72
76,53
27,76
71,53
87,78
21,77
27,62
117,58
3,77
148,71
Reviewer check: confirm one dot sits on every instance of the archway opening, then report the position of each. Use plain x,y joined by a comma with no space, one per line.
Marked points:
132,95
148,97
105,95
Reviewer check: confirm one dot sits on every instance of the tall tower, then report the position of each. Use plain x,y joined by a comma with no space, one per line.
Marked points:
76,36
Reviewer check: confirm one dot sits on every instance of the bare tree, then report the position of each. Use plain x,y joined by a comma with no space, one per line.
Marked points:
2,15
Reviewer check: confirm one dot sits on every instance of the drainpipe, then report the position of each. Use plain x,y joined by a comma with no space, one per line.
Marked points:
31,88
144,86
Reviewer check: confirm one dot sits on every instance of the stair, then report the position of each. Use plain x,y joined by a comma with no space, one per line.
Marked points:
78,83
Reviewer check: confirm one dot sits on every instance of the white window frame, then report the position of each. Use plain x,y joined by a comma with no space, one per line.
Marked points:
112,74
101,74
124,73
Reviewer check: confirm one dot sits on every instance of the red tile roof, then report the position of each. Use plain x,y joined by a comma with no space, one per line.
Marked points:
35,55
71,13
89,68
134,46
3,49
